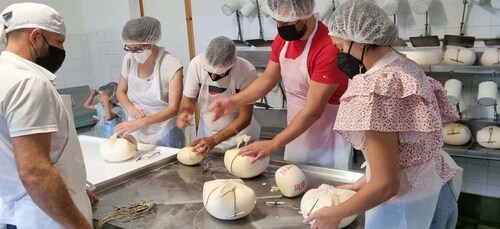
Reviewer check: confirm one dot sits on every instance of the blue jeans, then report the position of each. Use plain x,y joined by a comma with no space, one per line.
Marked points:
446,214
11,226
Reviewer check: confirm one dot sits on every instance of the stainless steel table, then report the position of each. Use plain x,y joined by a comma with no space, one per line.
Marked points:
178,191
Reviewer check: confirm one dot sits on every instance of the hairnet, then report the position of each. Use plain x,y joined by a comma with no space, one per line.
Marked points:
362,22
143,30
289,10
30,15
110,89
220,55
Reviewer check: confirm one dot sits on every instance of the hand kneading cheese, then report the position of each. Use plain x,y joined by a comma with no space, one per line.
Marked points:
291,180
491,57
241,166
326,196
459,56
188,157
117,149
228,199
456,134
489,137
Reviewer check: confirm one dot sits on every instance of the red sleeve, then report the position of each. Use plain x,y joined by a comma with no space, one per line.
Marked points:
276,47
325,66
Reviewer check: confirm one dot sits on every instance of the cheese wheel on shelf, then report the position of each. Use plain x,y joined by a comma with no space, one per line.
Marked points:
326,196
490,57
187,157
489,137
117,149
290,180
228,199
456,134
459,56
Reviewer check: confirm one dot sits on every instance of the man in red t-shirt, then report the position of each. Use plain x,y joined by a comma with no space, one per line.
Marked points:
304,57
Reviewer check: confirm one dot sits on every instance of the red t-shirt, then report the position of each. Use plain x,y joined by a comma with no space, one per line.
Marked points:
321,60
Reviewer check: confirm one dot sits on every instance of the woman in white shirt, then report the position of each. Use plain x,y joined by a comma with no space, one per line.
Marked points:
150,86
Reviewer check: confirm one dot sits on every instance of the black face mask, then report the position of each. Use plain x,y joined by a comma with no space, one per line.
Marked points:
218,77
53,60
290,33
349,65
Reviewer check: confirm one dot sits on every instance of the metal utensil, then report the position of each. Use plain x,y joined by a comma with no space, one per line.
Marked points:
426,40
460,40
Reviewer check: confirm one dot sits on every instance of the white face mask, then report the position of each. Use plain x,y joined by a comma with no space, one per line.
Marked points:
143,56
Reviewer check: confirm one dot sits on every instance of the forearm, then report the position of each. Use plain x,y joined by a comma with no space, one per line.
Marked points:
256,90
46,188
232,129
124,101
88,103
369,196
187,105
164,115
108,115
300,123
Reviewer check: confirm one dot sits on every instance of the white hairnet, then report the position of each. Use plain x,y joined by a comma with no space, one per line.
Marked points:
30,15
289,10
362,22
220,55
143,30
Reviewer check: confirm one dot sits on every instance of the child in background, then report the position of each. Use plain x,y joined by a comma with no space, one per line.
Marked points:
109,113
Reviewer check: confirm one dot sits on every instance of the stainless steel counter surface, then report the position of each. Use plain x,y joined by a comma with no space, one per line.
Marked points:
178,191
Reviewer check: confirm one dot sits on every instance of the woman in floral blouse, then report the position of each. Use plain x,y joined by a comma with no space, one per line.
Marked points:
394,114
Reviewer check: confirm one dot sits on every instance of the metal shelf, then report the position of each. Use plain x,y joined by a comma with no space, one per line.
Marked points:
473,151
462,69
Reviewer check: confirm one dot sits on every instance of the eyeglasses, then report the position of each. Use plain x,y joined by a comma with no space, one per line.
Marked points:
128,49
149,155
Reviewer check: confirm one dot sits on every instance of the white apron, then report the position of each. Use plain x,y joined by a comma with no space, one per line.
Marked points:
23,212
145,95
208,127
319,144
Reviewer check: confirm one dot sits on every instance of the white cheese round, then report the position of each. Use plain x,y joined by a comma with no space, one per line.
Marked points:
290,180
241,166
118,149
456,134
187,157
459,56
326,196
490,57
228,199
489,137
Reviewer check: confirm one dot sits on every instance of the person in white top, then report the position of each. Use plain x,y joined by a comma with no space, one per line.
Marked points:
150,86
216,73
42,172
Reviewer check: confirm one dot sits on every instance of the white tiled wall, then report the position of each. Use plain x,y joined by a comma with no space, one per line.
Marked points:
481,177
77,67
107,54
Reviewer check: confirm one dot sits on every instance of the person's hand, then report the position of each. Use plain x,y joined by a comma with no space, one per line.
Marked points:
137,113
203,145
184,120
104,98
323,218
258,150
93,92
354,186
221,107
128,127
93,198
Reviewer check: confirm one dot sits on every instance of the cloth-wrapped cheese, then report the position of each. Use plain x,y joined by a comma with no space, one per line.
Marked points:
459,56
326,196
117,149
290,180
187,157
228,199
490,57
456,134
489,137
242,166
